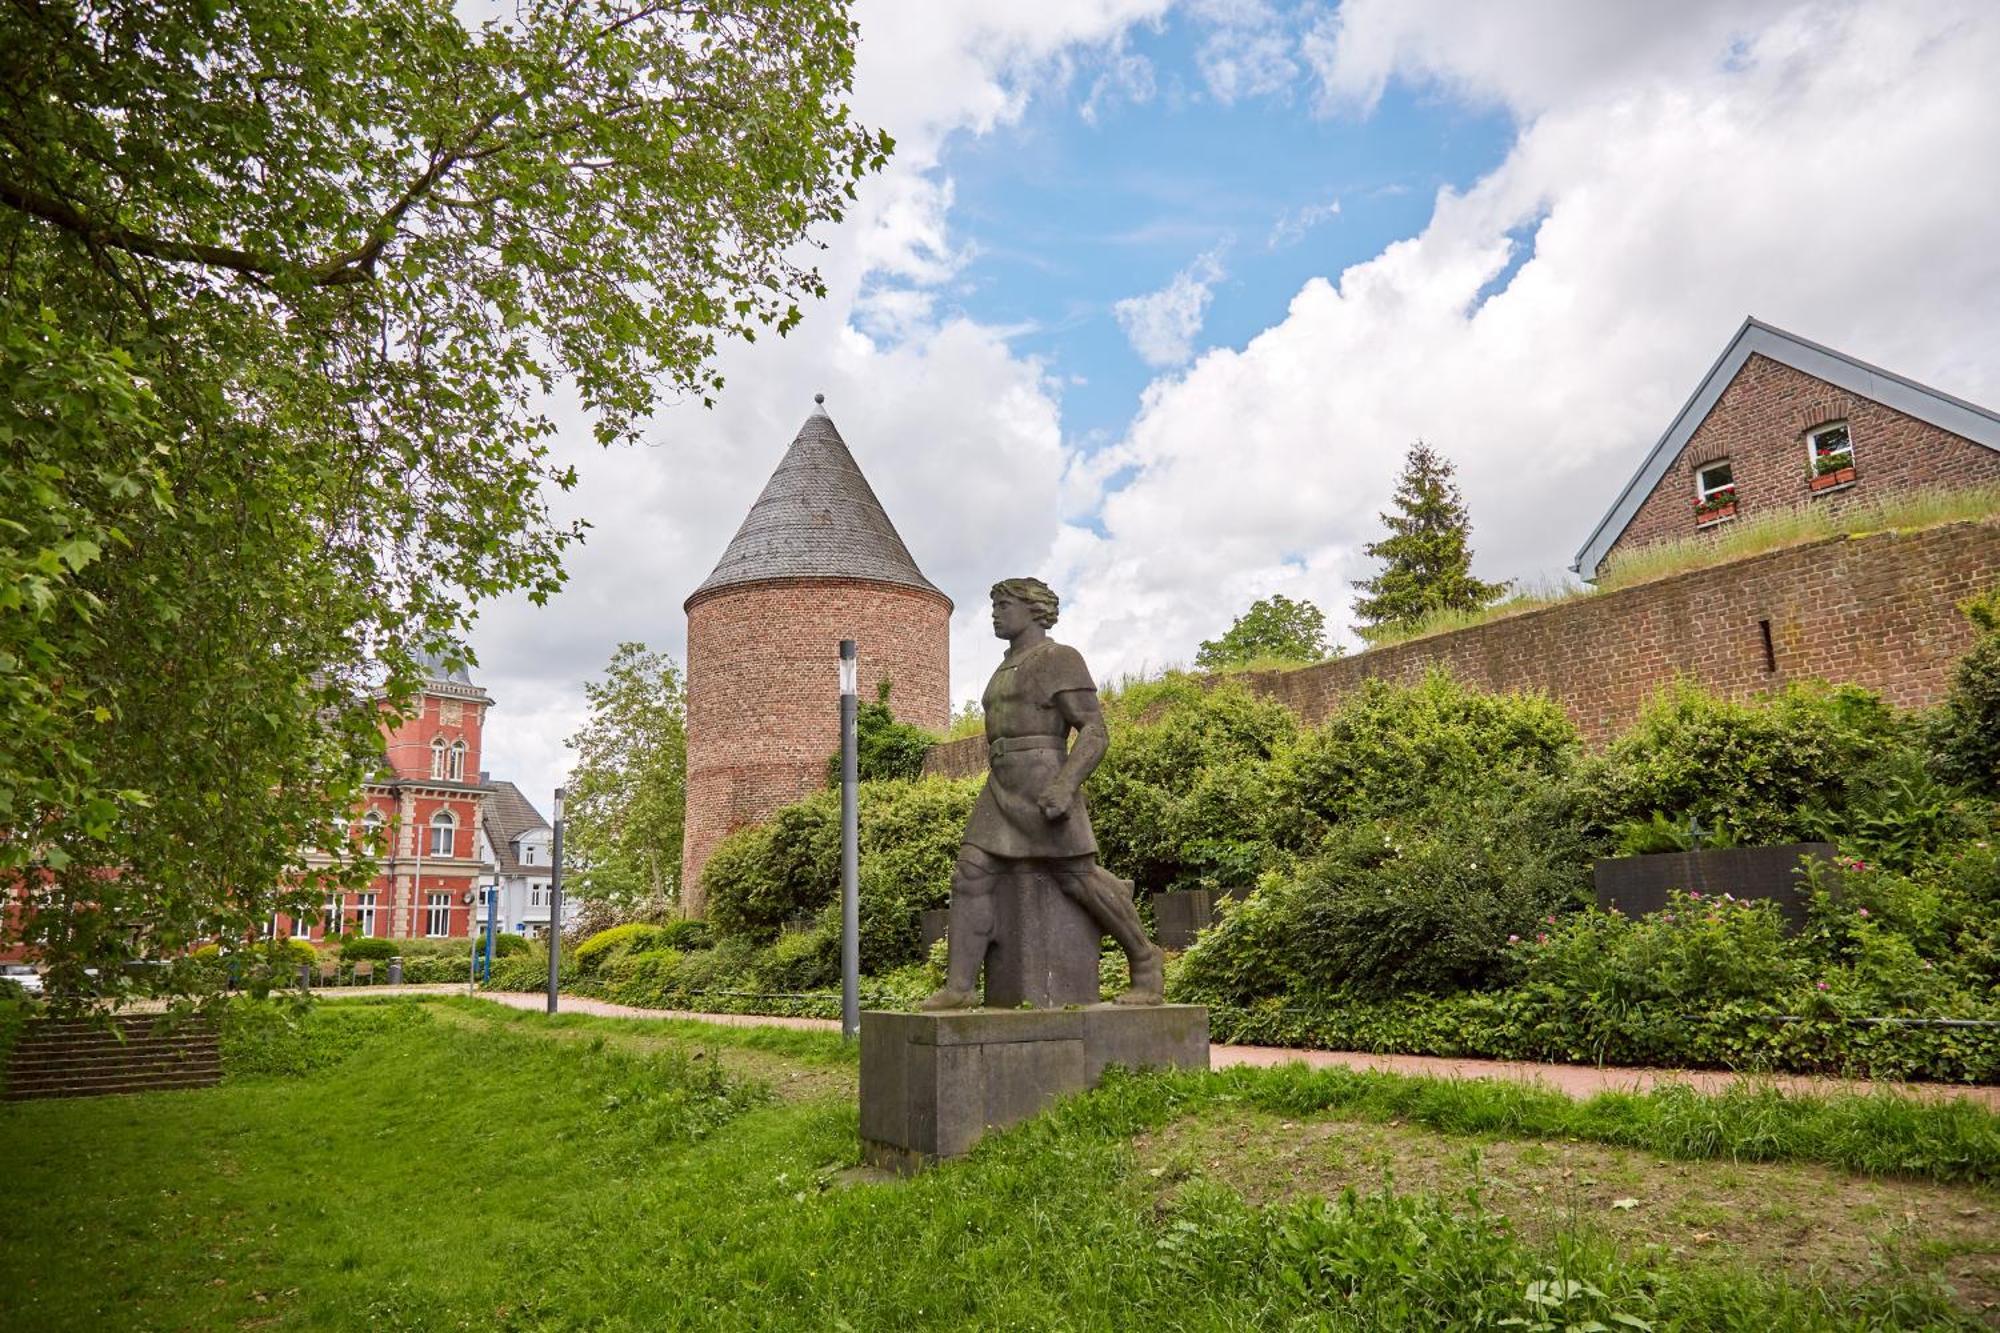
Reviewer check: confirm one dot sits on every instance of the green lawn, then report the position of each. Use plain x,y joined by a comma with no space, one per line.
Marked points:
456,1166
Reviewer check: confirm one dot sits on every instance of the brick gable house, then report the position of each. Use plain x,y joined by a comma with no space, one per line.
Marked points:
1779,422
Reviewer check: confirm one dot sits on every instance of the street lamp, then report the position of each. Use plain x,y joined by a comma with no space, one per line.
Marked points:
555,901
850,840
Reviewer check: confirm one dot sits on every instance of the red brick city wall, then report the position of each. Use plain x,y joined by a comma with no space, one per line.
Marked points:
763,692
1760,423
1879,611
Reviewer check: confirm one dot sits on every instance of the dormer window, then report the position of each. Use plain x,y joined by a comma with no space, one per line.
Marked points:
1714,492
1829,455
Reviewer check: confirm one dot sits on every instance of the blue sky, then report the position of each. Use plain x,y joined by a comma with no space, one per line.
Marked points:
1065,214
1099,322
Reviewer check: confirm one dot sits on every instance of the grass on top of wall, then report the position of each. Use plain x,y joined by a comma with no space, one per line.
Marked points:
1911,511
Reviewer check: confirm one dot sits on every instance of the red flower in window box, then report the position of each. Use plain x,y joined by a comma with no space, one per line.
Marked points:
1716,506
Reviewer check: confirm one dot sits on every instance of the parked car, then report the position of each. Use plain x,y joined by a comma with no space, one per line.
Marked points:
22,975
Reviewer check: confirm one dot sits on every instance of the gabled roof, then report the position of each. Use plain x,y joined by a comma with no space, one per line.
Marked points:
1757,338
507,815
817,518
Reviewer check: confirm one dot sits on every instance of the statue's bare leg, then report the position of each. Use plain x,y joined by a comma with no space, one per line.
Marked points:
969,932
1108,899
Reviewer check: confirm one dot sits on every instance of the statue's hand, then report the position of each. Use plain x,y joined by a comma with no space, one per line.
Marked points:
1054,804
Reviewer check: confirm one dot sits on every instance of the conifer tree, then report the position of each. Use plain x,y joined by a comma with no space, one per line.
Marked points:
1428,563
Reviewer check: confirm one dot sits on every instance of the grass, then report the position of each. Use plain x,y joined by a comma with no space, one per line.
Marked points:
453,1166
1738,540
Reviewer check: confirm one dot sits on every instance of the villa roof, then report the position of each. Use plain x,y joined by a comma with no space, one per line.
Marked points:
817,518
507,815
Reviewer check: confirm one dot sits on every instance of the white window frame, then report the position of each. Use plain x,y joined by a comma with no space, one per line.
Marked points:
437,756
1812,444
437,915
538,893
1702,490
527,853
446,823
364,913
455,762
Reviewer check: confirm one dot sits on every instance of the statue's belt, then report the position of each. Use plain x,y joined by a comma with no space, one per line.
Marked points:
1008,744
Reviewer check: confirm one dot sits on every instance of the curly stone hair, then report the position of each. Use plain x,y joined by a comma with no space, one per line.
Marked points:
1039,596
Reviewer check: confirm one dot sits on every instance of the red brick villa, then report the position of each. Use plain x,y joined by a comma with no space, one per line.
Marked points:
1779,422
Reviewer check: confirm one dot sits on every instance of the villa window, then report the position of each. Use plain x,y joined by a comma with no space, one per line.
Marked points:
538,895
364,913
437,915
455,769
437,757
444,830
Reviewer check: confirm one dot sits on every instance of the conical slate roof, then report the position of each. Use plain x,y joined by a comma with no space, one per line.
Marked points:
817,518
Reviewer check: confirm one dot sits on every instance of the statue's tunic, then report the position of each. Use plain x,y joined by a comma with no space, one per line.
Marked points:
1027,740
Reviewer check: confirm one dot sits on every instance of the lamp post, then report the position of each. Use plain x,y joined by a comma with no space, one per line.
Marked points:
850,841
555,901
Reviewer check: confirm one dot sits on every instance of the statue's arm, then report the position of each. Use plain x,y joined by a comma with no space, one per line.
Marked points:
1080,709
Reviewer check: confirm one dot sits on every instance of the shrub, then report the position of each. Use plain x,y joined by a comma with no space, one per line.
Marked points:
1964,735
1757,770
885,750
1390,748
368,948
509,946
1693,953
763,878
605,945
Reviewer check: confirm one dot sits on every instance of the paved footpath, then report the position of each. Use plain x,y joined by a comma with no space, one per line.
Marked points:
1574,1080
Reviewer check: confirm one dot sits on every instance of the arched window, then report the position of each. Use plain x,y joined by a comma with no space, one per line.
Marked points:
371,830
443,831
456,771
437,757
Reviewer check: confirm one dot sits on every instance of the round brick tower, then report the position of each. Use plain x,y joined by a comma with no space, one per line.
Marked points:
816,561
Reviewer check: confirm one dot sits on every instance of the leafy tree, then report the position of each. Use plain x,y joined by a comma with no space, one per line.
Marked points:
1274,627
1965,732
628,792
283,286
885,750
1427,564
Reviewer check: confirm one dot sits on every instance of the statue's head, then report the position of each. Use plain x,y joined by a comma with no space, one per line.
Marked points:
1033,596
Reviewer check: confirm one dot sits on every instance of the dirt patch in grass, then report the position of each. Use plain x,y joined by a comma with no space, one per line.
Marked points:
789,1080
1815,1223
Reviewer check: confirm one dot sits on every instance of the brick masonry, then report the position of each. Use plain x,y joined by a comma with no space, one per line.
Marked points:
1759,425
763,692
1879,611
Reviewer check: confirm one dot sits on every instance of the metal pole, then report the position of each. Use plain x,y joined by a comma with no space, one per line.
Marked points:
850,844
492,928
555,901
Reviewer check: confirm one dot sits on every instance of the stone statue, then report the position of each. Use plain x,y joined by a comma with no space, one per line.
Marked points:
1030,819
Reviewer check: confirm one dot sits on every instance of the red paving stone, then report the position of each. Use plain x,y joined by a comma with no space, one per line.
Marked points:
1573,1080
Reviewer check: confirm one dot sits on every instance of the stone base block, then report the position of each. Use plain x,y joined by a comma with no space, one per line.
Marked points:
933,1084
1045,947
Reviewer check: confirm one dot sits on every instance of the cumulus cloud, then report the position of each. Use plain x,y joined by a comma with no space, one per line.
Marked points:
1812,167
1162,325
1249,51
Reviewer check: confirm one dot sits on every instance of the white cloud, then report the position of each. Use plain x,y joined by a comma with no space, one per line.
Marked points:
1293,224
1818,172
1162,325
1249,51
1127,78
958,435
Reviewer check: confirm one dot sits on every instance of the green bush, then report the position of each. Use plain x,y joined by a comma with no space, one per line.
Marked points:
684,934
632,937
885,750
368,948
1757,769
1964,734
510,946
1388,749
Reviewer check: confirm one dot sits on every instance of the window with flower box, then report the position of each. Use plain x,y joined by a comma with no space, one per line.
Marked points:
1829,456
1714,493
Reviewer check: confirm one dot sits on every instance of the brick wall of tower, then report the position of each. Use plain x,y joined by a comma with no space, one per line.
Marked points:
1760,423
1879,611
763,692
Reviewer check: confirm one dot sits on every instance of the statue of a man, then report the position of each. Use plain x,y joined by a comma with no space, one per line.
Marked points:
1031,816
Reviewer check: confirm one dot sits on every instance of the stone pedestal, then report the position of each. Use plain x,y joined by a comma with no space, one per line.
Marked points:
1045,947
933,1084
